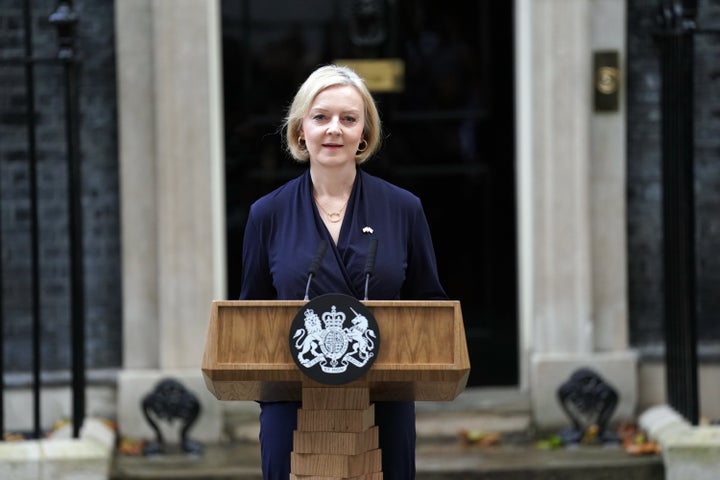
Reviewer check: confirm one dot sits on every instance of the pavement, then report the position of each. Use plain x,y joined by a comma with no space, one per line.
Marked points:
488,436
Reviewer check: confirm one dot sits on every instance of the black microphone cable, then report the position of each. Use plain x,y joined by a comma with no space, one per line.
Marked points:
322,246
370,263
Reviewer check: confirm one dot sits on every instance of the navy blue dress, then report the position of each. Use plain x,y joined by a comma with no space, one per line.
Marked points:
282,235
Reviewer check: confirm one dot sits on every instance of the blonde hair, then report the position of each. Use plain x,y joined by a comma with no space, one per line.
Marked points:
322,78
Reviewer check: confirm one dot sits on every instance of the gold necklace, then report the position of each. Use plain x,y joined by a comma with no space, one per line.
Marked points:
333,217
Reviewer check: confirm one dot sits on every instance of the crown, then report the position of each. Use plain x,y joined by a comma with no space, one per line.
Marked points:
333,318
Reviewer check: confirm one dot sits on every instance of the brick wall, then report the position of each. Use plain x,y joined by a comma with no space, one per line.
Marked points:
644,175
99,196
707,171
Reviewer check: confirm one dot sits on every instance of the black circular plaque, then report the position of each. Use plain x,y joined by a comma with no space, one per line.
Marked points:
334,339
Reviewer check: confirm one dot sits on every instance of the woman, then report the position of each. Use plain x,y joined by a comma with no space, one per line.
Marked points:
334,126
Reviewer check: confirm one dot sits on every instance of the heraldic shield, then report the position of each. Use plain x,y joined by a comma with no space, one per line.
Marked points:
334,339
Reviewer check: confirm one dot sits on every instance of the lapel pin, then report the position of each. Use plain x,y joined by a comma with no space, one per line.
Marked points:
367,230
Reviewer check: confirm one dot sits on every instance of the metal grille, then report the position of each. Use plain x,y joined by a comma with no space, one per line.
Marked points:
64,19
675,38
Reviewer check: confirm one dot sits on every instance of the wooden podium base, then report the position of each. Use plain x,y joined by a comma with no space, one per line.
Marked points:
247,358
336,436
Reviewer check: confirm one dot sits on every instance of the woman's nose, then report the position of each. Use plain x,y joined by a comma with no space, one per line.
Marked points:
334,126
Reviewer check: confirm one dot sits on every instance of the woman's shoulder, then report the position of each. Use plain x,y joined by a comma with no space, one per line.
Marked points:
376,186
278,199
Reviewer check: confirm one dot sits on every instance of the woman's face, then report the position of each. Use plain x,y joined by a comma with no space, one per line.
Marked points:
333,127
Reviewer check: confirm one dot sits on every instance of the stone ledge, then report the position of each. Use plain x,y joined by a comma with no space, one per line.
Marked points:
86,458
688,451
133,385
548,371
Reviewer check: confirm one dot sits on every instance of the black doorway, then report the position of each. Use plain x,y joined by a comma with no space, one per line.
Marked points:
450,134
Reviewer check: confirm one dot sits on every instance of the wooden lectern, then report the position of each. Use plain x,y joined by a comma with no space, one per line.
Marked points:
423,356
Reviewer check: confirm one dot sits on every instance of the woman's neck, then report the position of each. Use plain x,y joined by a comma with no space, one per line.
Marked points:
333,182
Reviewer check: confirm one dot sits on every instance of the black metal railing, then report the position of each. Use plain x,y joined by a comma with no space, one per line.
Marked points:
64,19
677,22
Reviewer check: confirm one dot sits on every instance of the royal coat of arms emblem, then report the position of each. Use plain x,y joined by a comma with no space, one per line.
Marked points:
334,339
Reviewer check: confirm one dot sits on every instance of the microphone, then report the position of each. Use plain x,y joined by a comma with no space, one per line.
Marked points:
370,263
322,246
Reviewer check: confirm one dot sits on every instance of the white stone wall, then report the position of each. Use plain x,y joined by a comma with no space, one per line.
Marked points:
571,217
172,192
171,156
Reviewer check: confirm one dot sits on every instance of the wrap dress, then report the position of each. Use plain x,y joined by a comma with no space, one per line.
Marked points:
282,235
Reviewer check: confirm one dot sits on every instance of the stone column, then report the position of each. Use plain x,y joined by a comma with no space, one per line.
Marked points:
571,205
136,145
608,187
172,194
190,175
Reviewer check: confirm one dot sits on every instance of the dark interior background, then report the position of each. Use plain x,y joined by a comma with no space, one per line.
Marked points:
449,134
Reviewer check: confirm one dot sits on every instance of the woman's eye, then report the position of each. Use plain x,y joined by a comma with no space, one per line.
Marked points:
350,119
319,116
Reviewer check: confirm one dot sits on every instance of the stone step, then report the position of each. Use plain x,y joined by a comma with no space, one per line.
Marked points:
435,461
442,452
